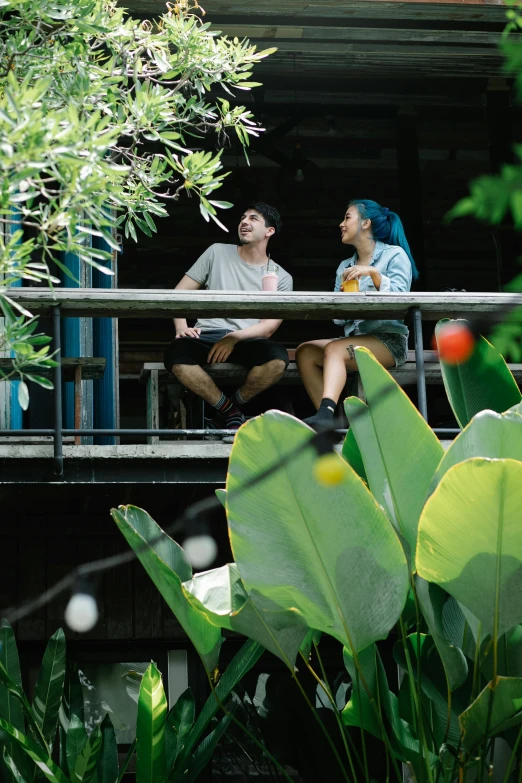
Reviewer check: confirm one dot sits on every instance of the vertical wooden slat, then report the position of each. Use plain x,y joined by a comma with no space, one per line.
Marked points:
147,605
153,405
88,548
117,592
77,403
410,186
32,575
61,559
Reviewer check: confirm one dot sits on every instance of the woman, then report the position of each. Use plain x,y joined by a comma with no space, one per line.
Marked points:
382,262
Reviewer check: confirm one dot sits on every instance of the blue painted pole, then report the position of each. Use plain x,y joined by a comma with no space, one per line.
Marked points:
105,344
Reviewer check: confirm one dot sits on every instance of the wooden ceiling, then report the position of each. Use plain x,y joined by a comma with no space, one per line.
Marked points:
342,40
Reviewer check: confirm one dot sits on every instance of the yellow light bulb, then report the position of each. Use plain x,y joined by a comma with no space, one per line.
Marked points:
329,469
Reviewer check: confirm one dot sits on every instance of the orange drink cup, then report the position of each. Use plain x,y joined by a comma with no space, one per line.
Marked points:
350,286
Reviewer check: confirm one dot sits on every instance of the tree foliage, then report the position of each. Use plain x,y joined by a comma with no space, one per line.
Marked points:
100,114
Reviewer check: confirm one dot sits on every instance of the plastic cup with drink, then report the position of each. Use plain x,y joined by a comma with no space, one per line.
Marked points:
270,279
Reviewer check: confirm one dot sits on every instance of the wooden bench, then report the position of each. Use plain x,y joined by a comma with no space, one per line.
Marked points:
154,373
74,370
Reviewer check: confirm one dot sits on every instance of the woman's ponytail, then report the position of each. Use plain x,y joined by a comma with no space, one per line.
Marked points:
386,226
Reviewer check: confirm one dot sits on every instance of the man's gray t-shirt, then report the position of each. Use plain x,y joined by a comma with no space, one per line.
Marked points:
221,268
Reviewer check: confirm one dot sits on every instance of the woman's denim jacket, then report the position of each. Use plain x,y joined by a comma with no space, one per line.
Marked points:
395,269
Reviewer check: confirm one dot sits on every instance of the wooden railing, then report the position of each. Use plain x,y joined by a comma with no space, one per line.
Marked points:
299,305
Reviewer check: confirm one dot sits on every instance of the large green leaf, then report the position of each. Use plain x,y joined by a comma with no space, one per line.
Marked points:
150,729
241,663
498,707
470,542
166,564
86,765
10,706
489,434
44,763
220,593
49,686
177,727
76,740
108,759
431,600
399,448
327,552
483,382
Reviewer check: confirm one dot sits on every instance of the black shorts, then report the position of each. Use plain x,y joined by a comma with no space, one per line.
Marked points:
251,352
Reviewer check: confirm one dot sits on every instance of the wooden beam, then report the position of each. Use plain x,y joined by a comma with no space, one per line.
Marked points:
133,303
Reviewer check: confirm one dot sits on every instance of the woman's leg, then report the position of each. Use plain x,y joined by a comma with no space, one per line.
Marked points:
338,360
309,357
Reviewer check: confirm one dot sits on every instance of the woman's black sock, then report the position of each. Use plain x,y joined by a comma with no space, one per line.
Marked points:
324,416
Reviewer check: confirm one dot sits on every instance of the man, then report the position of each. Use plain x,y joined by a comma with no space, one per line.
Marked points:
245,341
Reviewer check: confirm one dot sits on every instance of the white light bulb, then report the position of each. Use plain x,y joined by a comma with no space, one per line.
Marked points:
200,550
299,177
81,613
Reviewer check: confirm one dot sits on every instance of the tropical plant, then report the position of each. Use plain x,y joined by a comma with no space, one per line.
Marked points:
99,115
50,738
426,554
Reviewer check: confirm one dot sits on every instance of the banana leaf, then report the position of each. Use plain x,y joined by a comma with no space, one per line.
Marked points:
205,751
166,564
150,729
470,542
483,382
327,552
222,596
16,691
49,686
399,449
489,434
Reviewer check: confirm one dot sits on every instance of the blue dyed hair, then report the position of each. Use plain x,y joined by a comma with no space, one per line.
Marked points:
386,226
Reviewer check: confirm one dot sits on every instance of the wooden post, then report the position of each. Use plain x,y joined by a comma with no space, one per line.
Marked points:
410,192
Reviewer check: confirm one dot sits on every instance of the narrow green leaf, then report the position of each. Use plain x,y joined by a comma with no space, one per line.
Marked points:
150,729
76,741
495,705
44,763
49,686
108,758
10,707
87,761
178,726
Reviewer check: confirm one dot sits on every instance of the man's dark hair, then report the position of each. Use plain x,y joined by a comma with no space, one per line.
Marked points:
270,214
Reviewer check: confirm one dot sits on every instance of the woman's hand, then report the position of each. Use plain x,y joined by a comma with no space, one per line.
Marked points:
358,270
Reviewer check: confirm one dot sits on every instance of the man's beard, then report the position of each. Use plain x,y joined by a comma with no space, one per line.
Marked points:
244,239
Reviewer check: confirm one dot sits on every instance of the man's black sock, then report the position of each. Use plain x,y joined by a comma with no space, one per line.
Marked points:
232,415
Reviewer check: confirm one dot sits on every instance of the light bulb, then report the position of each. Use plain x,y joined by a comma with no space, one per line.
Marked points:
201,550
299,177
81,613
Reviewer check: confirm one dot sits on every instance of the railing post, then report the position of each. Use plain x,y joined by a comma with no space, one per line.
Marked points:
419,362
57,381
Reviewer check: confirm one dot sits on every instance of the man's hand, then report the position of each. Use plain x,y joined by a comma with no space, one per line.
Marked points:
189,331
222,349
